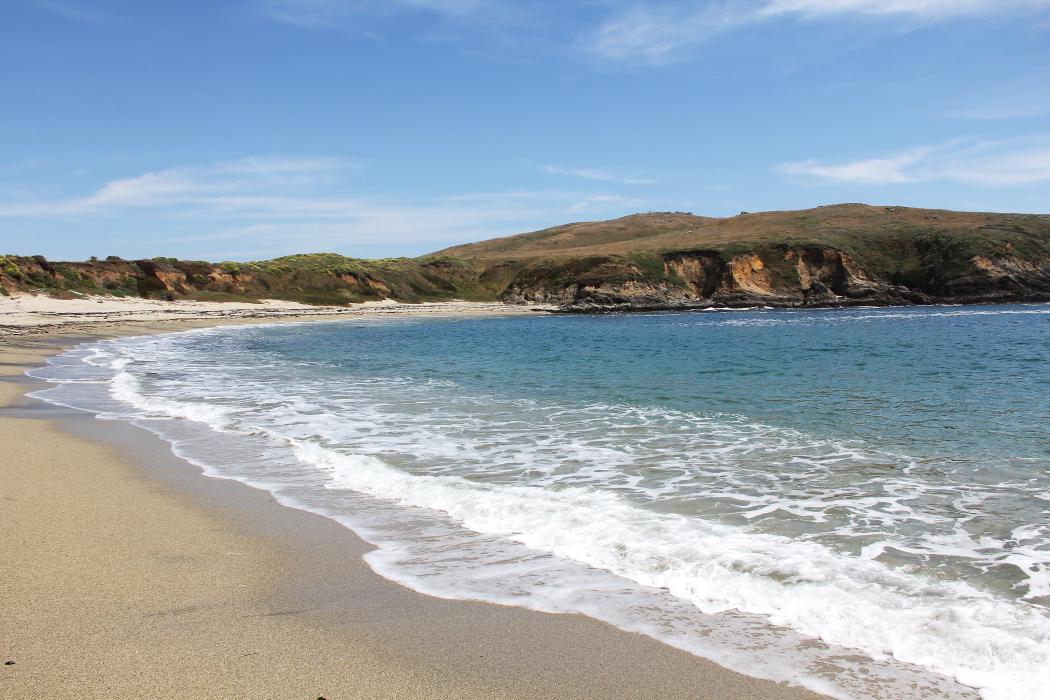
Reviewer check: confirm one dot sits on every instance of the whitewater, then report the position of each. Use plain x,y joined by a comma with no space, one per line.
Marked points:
857,501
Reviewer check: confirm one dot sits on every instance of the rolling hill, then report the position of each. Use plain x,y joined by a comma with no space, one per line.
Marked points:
838,255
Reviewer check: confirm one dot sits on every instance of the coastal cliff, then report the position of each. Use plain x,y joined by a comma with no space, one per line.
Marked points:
322,278
780,277
840,255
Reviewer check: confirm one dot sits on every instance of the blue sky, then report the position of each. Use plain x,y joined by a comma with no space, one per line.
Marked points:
248,129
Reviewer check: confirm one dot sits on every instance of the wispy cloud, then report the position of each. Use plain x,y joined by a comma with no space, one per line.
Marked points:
938,9
455,218
216,185
596,175
74,11
989,164
1031,104
658,33
340,13
370,228
603,201
265,205
648,32
877,171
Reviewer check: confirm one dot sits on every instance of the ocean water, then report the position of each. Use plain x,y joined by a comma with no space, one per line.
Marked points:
857,501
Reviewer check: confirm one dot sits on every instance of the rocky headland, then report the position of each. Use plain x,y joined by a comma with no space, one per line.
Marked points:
843,255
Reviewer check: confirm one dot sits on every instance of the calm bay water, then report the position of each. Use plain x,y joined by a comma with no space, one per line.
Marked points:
856,500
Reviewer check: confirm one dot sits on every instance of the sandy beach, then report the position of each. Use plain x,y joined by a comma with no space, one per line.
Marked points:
618,349
127,573
35,314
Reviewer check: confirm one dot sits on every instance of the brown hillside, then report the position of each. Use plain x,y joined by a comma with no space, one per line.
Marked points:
841,225
849,254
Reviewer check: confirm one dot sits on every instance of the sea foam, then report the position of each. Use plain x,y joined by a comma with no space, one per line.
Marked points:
770,537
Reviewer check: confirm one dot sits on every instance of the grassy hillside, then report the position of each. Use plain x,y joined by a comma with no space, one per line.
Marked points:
829,256
322,278
850,253
857,227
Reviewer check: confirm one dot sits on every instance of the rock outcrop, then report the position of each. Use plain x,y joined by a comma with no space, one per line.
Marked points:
809,276
843,255
315,279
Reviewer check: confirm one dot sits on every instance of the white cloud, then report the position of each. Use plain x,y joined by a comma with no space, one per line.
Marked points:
997,108
875,171
651,32
74,11
371,228
660,33
1000,169
988,164
603,201
553,202
263,205
202,186
920,8
596,175
338,13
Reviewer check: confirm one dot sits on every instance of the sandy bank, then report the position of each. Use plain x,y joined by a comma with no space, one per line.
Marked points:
33,314
127,573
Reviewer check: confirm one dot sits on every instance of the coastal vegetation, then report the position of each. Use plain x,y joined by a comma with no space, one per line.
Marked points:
830,256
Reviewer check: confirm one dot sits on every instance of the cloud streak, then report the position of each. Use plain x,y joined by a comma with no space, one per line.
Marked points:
265,205
647,32
315,14
936,9
596,175
661,33
986,164
212,184
74,12
1023,103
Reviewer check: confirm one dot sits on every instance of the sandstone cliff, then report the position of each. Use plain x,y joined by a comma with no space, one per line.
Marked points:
830,256
313,279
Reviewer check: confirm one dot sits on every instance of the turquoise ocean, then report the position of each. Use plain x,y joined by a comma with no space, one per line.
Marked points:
857,501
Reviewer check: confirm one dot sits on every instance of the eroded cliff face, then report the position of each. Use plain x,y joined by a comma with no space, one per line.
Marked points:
322,279
889,269
800,276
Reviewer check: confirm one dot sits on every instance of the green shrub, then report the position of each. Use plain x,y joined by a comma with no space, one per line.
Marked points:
68,274
9,268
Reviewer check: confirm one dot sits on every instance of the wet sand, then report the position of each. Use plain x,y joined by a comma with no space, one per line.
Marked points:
128,573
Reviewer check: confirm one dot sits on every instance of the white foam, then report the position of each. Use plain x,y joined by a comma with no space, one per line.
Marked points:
126,387
562,480
853,602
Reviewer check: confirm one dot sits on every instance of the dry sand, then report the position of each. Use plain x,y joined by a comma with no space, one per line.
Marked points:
127,573
31,314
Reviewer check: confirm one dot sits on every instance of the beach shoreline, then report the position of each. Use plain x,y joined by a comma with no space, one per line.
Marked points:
132,573
35,315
